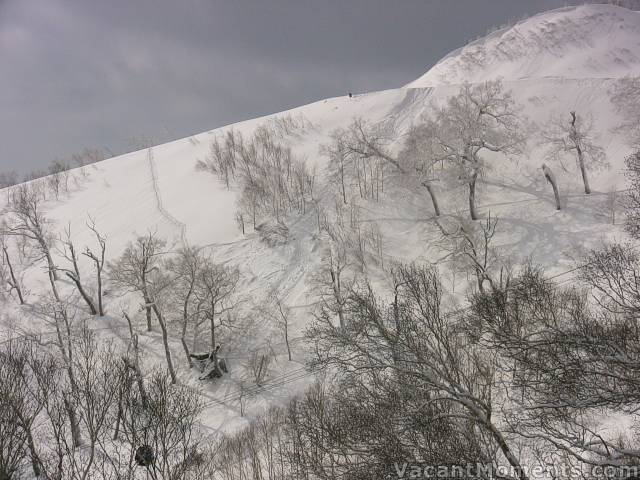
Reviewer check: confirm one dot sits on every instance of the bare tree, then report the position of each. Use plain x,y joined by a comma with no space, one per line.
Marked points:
360,154
339,159
273,181
214,289
420,154
331,276
69,252
98,259
280,314
98,377
58,177
186,268
159,285
61,317
134,362
28,221
167,427
480,118
564,359
470,245
132,269
138,269
429,352
19,412
575,136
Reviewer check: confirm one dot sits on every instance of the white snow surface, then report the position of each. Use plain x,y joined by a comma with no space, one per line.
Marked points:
554,62
588,41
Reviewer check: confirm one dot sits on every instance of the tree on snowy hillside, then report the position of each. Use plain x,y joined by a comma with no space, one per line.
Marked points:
132,269
360,156
28,221
569,361
273,181
574,135
419,342
214,287
419,155
478,120
69,252
98,258
138,269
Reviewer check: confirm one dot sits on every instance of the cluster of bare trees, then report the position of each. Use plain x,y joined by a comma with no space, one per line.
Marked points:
479,119
85,415
273,182
27,235
57,177
186,289
526,374
359,158
520,377
459,143
288,125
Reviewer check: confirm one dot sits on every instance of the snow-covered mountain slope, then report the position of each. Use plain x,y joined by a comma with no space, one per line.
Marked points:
589,41
556,62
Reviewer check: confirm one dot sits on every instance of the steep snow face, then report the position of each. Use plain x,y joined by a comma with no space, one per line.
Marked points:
548,63
589,41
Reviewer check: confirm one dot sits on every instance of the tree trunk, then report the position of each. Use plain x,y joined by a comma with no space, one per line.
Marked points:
136,365
583,170
552,180
434,200
184,342
335,282
14,282
575,139
76,438
83,293
286,339
344,191
35,459
52,267
165,341
147,309
100,306
472,196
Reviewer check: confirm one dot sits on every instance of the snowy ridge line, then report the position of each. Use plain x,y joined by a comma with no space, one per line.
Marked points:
154,180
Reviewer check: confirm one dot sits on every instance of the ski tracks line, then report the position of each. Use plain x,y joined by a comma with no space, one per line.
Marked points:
173,220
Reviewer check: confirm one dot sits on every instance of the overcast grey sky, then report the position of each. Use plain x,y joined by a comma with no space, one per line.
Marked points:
93,73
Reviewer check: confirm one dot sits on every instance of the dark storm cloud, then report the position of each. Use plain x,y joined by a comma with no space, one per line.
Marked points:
76,73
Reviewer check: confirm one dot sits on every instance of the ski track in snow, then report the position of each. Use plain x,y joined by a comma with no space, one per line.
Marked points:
182,227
